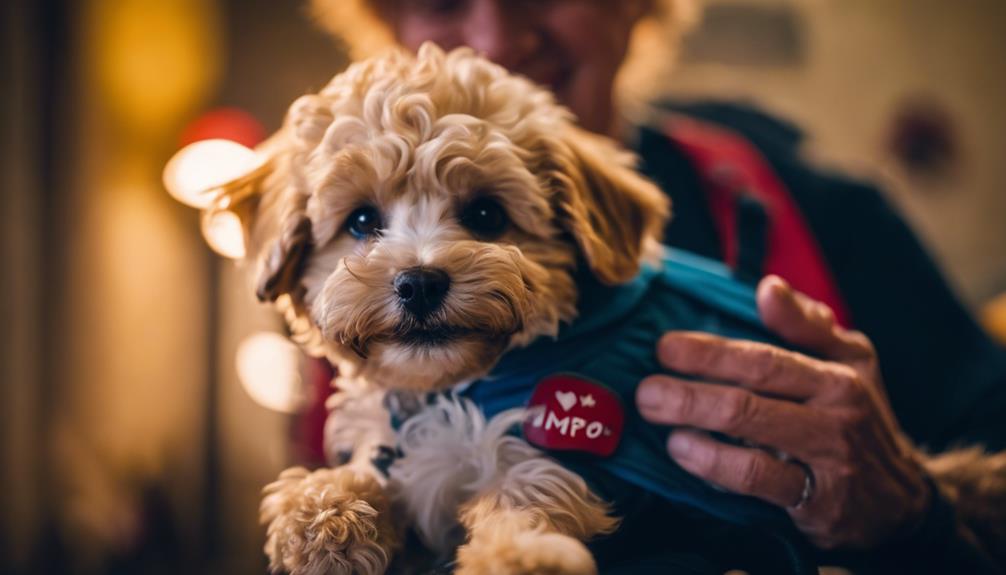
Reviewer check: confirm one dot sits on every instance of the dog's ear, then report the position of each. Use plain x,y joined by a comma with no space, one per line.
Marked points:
280,237
252,212
615,215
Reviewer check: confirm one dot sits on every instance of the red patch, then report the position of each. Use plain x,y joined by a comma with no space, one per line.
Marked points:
571,413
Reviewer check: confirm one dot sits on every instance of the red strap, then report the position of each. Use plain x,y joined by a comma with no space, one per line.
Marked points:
309,440
729,165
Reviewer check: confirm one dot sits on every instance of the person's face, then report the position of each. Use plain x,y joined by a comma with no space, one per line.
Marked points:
575,47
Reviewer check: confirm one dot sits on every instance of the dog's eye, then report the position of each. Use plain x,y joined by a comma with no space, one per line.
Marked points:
364,222
485,218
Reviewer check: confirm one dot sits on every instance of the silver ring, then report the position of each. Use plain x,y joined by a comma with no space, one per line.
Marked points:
808,485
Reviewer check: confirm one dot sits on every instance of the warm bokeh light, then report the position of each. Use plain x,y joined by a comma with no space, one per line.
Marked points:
268,366
994,318
197,170
148,395
153,62
229,123
224,233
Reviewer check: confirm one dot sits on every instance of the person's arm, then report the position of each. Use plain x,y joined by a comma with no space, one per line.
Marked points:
829,413
941,543
945,378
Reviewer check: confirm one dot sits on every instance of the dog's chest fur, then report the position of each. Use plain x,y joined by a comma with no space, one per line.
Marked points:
446,453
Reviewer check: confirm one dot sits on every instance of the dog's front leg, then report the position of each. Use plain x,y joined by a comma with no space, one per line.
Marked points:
533,521
338,520
329,521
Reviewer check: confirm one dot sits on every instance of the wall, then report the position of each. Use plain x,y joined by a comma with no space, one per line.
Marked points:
20,249
861,59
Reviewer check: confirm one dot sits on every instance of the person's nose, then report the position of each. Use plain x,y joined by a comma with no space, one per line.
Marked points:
502,30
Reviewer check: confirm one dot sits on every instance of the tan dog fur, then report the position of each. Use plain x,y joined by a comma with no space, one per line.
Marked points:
419,137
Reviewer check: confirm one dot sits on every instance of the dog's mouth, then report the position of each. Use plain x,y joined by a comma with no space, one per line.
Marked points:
424,335
429,335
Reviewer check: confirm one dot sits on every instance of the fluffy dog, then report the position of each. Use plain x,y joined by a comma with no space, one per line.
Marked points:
417,218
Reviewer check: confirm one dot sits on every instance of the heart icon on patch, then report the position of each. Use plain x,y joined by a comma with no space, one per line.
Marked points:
567,399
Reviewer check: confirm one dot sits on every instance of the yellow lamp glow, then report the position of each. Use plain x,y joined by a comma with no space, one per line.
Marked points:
268,366
197,170
994,318
224,233
154,63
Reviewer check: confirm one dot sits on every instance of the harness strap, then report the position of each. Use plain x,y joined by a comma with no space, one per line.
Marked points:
760,226
308,432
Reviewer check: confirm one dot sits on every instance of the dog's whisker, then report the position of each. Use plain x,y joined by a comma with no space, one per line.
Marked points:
349,270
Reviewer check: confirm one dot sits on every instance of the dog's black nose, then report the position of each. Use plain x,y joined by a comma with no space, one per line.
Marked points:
421,290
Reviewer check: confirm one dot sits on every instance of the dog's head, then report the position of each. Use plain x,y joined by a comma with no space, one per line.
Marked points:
422,214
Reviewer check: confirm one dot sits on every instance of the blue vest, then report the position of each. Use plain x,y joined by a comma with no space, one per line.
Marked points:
613,342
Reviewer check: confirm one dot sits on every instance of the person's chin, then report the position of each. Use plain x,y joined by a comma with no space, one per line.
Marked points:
561,85
556,77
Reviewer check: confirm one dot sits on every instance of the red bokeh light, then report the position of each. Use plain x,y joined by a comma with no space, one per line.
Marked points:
225,123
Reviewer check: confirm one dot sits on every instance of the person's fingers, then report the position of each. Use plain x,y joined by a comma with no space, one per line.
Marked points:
807,323
760,367
745,470
783,425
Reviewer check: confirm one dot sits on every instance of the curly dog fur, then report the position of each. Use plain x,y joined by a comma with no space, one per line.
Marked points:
416,142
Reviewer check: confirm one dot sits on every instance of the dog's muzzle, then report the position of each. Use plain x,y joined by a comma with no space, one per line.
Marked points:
421,291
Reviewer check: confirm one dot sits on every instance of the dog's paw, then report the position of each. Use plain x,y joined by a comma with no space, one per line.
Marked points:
525,553
330,521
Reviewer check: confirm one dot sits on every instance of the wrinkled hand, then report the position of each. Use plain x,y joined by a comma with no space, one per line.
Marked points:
831,414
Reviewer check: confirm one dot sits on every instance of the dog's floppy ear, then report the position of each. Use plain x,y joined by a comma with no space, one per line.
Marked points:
251,211
615,215
281,238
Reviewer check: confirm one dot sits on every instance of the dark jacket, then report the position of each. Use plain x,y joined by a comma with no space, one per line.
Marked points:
945,377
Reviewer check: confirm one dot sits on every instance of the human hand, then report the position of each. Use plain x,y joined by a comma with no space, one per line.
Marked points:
830,416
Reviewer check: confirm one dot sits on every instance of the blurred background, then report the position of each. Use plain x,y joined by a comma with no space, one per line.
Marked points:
130,444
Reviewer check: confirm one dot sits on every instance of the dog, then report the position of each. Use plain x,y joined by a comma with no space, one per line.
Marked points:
422,222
